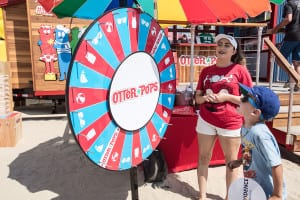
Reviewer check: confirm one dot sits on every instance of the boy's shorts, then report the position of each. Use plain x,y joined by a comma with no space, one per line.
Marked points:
206,128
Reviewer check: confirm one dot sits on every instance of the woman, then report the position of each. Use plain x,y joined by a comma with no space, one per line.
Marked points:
218,95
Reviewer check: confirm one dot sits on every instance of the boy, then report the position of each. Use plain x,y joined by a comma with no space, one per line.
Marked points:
261,156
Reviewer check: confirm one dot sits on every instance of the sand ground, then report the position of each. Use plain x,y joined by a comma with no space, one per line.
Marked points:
48,164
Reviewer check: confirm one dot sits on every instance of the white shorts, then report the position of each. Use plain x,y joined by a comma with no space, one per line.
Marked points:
206,128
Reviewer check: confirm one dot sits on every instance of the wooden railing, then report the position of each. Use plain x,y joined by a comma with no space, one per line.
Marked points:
282,61
284,64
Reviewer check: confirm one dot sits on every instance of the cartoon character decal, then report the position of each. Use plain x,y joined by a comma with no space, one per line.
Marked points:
48,53
63,49
76,33
247,158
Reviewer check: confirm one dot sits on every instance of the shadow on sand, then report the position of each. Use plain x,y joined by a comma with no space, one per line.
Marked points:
60,166
291,156
186,189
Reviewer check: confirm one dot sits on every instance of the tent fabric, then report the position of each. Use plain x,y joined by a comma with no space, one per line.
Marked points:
176,11
147,6
49,4
209,11
164,7
85,9
254,8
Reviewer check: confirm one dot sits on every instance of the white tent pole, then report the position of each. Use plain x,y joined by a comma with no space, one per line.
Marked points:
192,55
155,10
259,34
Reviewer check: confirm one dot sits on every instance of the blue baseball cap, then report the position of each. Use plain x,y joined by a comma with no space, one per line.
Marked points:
262,98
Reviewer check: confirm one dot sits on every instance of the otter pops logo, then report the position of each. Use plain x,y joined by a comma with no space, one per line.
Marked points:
134,91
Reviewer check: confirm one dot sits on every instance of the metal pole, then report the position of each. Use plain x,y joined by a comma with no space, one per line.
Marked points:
290,111
192,55
134,184
259,34
289,137
271,71
155,10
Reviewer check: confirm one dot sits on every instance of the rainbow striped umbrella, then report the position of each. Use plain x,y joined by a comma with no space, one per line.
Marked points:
175,11
208,11
91,9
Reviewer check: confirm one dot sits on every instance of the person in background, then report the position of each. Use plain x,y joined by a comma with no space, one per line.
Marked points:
218,95
205,36
183,39
261,155
291,40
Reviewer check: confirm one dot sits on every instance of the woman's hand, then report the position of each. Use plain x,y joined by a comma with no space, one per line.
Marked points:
206,98
216,98
221,97
199,98
211,98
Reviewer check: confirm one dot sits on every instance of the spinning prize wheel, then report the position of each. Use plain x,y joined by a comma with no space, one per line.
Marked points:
121,88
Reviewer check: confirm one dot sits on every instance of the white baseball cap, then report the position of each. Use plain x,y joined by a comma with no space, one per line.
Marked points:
228,37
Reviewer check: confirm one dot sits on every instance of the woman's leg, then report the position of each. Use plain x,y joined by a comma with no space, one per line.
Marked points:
205,146
230,147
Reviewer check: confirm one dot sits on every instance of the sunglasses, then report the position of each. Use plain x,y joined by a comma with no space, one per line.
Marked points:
253,101
244,99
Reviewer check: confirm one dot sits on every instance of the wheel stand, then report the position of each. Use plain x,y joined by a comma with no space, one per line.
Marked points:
134,183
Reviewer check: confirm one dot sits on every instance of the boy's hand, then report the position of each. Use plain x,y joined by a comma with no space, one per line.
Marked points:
274,198
234,164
